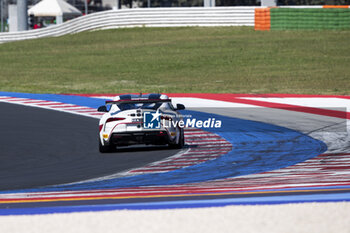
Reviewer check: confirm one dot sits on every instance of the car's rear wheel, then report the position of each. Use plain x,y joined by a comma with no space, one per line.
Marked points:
181,142
106,148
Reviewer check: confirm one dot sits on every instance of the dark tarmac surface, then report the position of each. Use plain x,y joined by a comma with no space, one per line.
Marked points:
40,147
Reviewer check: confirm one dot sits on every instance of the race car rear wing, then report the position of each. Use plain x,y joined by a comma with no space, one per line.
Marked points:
134,101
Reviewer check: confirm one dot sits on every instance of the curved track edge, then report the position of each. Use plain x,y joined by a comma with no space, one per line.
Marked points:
283,184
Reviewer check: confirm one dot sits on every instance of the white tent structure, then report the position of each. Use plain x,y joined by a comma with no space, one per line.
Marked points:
54,8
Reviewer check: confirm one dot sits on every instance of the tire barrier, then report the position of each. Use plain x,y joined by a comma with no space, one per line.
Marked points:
328,17
262,19
142,17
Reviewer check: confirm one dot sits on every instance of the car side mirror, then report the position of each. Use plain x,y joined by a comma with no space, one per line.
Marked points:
102,109
180,107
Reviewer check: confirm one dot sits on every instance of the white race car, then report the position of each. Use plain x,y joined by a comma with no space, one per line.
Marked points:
140,119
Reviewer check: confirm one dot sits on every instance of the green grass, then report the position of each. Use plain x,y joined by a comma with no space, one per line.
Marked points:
193,59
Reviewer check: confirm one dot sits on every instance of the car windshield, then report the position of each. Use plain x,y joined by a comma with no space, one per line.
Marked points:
128,106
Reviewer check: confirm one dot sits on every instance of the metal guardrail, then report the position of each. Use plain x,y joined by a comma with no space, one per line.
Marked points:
148,17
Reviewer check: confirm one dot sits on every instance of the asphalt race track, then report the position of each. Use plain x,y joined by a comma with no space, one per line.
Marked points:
41,147
50,162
